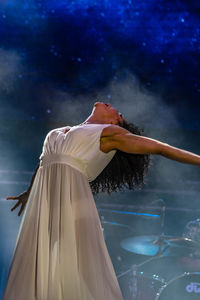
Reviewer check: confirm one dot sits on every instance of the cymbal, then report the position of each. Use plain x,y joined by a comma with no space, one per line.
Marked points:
183,242
153,244
144,245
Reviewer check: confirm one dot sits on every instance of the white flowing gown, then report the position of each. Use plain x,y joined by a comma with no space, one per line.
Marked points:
60,251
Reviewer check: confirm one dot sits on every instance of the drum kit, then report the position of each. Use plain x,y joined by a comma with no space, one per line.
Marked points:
170,272
167,274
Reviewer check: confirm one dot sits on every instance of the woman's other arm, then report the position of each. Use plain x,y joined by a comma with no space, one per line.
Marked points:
23,198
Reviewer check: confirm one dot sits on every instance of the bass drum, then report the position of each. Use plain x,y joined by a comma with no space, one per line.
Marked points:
167,267
183,287
140,286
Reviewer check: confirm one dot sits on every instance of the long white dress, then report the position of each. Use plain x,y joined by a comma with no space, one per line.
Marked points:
60,252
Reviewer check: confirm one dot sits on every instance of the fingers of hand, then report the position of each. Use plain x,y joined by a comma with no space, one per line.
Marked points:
21,209
17,204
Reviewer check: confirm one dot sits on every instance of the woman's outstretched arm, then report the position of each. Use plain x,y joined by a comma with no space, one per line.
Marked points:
23,198
121,139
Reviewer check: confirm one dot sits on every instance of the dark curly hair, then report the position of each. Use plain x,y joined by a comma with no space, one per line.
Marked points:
124,170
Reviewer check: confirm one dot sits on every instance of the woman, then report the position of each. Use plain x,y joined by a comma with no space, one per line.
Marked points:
60,251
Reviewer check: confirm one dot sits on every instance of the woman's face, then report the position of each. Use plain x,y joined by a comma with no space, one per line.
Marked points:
108,111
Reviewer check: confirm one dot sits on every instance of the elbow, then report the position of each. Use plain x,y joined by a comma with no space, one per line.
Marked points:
162,149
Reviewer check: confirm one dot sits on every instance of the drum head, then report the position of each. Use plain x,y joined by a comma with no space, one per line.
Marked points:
165,267
184,287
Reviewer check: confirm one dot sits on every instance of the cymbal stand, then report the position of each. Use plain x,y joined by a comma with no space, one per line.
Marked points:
161,238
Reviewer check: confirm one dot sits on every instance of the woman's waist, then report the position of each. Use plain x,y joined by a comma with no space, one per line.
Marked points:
62,158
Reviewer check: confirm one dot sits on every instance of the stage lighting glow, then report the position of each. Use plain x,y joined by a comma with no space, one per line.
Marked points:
131,213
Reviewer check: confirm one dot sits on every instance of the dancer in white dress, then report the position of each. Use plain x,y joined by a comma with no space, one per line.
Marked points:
60,252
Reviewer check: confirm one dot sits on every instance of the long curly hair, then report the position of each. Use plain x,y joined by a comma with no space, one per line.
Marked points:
124,170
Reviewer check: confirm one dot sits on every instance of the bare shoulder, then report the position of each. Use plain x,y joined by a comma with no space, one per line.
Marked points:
108,135
112,130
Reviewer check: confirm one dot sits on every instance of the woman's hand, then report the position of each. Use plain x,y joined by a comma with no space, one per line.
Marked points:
22,199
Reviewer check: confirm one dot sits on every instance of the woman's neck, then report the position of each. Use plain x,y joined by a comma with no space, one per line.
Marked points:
95,122
92,120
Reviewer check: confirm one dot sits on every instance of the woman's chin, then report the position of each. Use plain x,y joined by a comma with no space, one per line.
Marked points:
97,103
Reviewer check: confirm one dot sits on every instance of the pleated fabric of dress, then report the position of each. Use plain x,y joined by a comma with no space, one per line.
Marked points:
60,251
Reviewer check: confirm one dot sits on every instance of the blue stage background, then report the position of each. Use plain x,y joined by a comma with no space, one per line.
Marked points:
58,57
